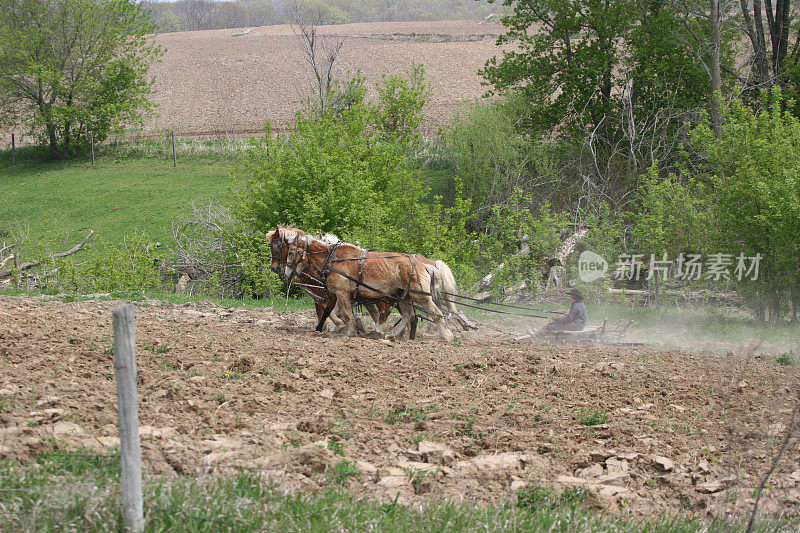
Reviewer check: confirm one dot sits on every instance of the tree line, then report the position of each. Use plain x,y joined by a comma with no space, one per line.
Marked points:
189,15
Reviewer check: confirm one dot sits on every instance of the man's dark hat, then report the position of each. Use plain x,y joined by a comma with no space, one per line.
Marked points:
576,293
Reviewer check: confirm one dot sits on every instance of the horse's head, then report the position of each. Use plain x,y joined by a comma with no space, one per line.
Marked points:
278,250
288,246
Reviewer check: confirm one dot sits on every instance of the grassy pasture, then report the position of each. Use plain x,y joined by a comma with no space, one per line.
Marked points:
114,197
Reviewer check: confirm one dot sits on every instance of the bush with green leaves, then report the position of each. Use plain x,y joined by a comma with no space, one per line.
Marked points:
399,113
752,168
517,238
485,150
348,173
110,267
672,215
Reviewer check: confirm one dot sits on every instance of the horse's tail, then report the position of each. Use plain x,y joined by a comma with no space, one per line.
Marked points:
435,285
448,284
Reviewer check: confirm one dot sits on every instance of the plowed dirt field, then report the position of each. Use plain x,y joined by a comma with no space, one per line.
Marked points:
643,431
229,82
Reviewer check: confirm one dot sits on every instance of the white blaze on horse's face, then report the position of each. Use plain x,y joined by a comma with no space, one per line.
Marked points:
287,272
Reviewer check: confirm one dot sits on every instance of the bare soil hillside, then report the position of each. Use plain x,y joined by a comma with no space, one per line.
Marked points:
223,82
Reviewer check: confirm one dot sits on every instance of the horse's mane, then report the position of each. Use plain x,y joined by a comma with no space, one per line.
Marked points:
292,235
328,238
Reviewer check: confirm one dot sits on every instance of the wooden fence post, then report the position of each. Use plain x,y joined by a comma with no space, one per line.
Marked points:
16,271
13,149
174,157
91,135
130,450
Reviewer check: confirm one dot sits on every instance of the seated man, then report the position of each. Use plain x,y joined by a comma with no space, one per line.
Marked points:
575,320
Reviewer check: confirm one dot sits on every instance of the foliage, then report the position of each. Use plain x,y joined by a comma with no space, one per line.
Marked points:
753,170
38,501
516,239
342,472
787,359
451,239
535,497
489,155
74,67
663,70
564,60
333,175
222,253
106,267
672,217
614,83
399,114
346,173
608,235
592,417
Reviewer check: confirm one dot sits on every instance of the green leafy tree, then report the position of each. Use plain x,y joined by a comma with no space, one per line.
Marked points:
341,173
564,60
517,238
664,72
71,67
673,216
753,168
401,101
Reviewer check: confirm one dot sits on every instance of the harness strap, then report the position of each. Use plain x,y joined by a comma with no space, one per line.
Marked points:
389,296
361,260
326,267
408,287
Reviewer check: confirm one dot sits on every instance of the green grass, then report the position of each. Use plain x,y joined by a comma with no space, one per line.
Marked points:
787,359
113,197
592,417
69,496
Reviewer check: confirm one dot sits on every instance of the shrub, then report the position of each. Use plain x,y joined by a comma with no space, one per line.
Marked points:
787,359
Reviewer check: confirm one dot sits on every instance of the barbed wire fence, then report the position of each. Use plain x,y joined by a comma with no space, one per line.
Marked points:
168,145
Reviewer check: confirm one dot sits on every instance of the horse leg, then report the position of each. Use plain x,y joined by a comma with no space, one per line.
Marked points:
405,320
434,314
327,311
337,318
347,311
374,314
413,332
383,319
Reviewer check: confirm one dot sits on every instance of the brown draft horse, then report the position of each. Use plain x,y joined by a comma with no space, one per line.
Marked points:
312,285
348,272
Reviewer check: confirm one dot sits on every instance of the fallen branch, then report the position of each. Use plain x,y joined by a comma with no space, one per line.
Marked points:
6,260
25,266
687,295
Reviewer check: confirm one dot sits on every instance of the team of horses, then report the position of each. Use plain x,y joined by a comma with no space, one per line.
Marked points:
338,275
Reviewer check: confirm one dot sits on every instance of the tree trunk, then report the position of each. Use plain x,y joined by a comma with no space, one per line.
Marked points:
716,77
755,30
52,140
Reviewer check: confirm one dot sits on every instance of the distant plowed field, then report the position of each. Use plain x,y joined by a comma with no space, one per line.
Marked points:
223,82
